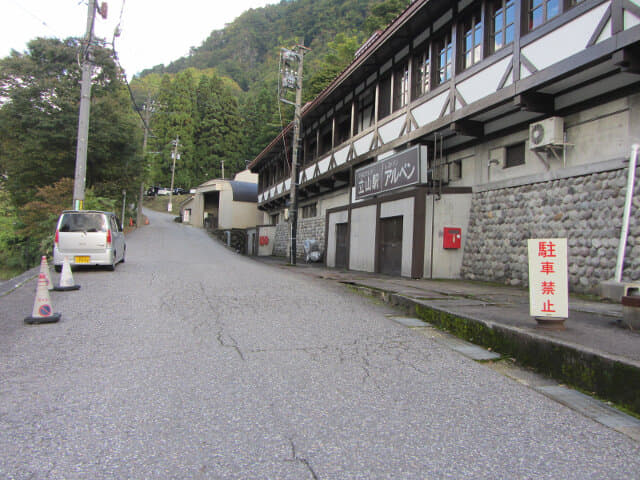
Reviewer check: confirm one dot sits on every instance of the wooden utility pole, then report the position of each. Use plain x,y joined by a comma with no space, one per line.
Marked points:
83,121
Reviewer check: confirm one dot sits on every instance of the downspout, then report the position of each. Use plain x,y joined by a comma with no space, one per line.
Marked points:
627,211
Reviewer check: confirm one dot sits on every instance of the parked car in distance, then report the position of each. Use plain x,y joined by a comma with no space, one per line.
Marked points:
89,237
179,191
163,191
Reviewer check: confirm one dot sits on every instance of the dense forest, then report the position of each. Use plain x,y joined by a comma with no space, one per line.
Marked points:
220,103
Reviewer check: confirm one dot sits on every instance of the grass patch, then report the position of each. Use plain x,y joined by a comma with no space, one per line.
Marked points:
7,273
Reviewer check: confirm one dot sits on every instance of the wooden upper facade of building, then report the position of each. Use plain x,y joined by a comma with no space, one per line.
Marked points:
455,74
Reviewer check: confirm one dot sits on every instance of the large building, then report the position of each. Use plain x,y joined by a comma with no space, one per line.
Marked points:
464,129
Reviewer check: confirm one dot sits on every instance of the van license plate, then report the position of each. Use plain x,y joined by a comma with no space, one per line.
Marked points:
83,259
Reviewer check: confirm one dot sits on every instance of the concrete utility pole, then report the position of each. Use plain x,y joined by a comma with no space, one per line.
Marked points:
298,54
83,121
174,154
147,119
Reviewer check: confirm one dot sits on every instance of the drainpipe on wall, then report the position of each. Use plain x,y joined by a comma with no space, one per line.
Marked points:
627,212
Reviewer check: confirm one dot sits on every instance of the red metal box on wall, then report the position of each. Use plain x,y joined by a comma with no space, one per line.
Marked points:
452,237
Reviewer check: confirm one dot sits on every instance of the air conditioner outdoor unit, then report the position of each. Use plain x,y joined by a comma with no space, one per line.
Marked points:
548,132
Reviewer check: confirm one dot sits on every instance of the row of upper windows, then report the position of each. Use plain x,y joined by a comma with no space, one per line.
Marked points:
481,31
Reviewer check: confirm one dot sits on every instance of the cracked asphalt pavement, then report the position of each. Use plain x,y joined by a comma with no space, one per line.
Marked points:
190,361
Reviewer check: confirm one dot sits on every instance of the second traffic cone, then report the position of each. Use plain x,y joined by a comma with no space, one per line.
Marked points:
66,278
42,311
44,270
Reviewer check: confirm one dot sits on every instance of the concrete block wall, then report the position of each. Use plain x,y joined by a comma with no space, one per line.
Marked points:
587,210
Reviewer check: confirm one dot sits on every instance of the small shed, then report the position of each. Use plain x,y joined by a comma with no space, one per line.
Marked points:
225,204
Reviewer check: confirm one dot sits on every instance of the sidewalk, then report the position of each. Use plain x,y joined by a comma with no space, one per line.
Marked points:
596,352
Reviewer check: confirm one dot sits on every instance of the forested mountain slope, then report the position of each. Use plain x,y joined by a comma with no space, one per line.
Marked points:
242,114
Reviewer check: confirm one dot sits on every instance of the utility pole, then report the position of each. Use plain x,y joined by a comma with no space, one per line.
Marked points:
289,58
83,121
174,154
147,119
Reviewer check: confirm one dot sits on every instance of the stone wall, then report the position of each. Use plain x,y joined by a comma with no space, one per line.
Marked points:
281,241
308,229
587,210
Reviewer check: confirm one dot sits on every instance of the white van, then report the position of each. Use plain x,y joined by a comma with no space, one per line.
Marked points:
89,237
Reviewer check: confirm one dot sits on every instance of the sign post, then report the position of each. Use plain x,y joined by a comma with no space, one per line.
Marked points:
548,282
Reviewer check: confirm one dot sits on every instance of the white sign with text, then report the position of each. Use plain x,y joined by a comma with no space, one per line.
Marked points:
548,278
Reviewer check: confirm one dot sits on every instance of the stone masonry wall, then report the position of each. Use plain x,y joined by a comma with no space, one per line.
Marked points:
587,210
308,229
281,241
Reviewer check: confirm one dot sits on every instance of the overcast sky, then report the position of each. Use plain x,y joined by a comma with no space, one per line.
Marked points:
153,31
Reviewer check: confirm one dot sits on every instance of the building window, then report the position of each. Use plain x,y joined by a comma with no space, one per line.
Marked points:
365,110
514,155
444,50
384,96
503,16
472,39
421,72
310,150
343,126
310,211
401,86
274,219
541,11
326,138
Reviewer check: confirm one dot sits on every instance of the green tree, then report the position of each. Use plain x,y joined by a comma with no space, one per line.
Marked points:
40,92
383,14
175,118
219,129
39,104
338,57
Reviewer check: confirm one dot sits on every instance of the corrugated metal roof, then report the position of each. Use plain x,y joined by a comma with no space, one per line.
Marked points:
244,191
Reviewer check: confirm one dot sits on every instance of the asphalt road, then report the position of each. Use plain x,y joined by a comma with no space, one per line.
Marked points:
190,361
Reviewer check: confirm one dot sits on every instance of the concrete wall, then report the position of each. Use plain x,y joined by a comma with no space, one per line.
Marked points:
362,239
579,196
448,211
402,208
197,211
334,219
226,208
333,200
270,232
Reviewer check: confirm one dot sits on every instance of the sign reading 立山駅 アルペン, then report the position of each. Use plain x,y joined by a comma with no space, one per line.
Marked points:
548,280
406,168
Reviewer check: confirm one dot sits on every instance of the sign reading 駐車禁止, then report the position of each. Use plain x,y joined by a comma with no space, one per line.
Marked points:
548,280
401,170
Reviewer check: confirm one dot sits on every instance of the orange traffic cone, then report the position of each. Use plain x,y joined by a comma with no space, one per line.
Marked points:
66,278
44,270
42,311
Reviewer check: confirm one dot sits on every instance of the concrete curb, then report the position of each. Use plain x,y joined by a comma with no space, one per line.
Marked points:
9,286
613,378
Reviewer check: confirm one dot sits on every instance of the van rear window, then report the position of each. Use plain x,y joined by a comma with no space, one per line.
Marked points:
83,222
